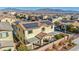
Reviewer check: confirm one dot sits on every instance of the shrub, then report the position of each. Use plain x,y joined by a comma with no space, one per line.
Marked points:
59,36
56,23
22,48
7,50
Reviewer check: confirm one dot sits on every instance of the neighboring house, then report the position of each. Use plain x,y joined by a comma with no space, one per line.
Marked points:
12,12
67,17
8,19
6,36
57,19
26,31
73,22
45,16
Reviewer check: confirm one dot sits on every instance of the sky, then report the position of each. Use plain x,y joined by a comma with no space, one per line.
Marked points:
35,8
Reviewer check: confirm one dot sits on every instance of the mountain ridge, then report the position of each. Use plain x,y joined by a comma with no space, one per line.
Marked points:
49,10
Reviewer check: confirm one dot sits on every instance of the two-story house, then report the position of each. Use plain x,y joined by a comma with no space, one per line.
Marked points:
26,31
6,36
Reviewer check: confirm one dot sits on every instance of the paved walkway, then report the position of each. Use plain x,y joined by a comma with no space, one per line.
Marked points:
76,48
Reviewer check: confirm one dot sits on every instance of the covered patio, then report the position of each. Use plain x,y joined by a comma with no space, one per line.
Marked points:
44,38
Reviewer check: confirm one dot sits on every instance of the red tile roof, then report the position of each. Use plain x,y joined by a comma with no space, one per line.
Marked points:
40,35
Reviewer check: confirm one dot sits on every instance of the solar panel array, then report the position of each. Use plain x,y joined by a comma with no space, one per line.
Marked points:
31,25
47,22
65,21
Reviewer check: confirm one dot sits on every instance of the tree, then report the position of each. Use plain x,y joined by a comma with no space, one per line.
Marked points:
22,48
69,27
56,23
21,16
64,18
72,18
59,36
72,29
4,12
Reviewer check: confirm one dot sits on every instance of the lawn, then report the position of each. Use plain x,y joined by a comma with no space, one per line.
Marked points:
59,36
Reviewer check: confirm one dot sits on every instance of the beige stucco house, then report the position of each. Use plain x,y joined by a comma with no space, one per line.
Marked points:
26,31
6,36
56,19
9,19
75,23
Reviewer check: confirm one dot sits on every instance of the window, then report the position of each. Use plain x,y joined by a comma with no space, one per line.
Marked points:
6,20
0,44
4,34
43,29
16,28
51,27
21,38
0,35
19,29
37,41
18,35
23,32
30,31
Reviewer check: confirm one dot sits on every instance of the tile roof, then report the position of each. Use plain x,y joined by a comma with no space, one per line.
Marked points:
40,35
32,40
5,26
7,16
46,22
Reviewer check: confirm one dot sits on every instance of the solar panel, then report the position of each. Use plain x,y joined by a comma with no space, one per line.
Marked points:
30,25
65,21
47,22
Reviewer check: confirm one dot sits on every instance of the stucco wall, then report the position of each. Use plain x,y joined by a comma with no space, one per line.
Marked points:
20,35
8,41
50,45
37,31
9,38
10,20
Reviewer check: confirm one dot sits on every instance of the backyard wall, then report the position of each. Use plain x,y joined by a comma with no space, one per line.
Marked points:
50,45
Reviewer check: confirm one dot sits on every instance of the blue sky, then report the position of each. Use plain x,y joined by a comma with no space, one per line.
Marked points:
34,8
